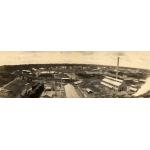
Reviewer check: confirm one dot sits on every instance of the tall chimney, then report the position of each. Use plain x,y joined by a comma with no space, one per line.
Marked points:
117,69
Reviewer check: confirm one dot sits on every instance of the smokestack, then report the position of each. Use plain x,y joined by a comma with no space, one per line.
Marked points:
117,68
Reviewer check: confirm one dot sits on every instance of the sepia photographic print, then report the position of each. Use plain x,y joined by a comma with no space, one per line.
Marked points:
74,74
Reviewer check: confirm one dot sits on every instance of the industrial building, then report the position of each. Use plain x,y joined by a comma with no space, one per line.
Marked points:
132,88
71,81
13,88
78,82
114,83
124,84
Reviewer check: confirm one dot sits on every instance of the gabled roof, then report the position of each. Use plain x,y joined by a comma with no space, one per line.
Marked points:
111,82
88,90
78,82
111,78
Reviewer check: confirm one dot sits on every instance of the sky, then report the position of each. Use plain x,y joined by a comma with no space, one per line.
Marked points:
140,59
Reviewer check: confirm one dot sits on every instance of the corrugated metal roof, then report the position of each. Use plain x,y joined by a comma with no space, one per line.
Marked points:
106,84
134,86
88,90
65,78
113,83
44,72
48,94
111,78
133,89
78,82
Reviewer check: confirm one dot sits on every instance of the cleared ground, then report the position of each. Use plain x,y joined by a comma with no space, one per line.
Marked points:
71,91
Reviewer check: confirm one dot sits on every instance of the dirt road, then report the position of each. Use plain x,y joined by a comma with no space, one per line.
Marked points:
71,91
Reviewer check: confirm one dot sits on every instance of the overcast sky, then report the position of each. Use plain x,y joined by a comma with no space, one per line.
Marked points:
129,59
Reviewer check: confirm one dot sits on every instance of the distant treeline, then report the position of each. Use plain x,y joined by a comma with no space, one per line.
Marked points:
30,66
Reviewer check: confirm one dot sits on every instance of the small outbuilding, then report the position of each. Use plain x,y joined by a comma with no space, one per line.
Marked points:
88,90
